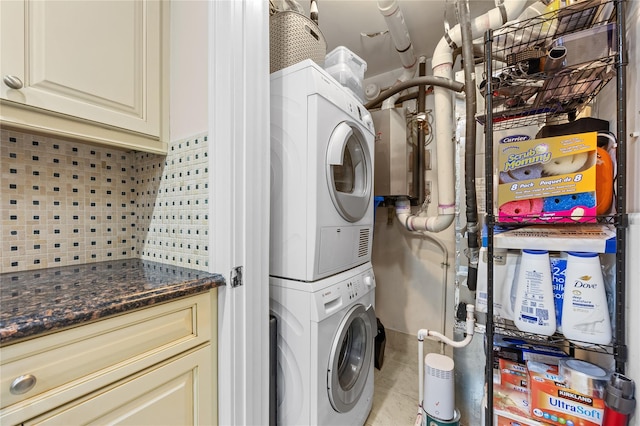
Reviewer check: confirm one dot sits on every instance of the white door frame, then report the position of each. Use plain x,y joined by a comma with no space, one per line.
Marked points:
239,203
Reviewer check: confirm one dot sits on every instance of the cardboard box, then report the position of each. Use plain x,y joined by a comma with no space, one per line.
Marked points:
511,401
599,238
548,180
521,351
504,418
513,374
553,403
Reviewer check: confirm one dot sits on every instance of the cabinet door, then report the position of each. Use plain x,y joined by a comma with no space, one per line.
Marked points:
177,392
94,60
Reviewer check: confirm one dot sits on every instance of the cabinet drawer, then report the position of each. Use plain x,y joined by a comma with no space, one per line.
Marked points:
176,392
71,362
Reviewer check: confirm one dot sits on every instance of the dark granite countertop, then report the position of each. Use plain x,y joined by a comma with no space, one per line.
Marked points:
40,301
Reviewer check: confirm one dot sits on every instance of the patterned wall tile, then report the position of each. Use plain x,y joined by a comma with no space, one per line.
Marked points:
57,196
172,204
66,203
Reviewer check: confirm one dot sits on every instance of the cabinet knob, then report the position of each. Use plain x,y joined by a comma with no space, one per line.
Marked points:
12,81
23,384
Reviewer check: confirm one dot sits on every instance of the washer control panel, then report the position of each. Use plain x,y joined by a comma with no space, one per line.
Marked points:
344,292
359,285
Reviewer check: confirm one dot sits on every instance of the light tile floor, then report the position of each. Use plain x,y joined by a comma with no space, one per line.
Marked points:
395,398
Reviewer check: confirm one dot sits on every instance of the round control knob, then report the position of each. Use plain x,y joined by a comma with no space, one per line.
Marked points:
23,384
368,280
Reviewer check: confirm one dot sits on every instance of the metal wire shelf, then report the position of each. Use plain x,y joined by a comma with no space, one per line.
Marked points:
530,86
507,328
516,50
523,220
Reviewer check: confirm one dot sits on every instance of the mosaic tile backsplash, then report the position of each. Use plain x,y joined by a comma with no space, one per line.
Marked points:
66,203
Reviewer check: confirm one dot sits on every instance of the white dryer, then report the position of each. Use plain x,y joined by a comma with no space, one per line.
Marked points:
321,175
325,348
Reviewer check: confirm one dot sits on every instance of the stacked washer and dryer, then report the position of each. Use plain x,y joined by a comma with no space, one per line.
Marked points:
321,280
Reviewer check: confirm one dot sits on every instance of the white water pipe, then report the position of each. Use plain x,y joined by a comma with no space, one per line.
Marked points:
442,64
445,274
422,333
423,223
399,32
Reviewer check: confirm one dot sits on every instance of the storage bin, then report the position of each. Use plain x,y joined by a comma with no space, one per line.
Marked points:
293,38
588,45
348,69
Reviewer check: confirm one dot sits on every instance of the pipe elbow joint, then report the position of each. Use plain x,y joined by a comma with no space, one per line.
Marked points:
386,7
470,310
422,333
471,320
439,223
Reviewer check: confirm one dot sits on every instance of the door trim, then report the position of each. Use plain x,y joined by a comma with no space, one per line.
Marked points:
239,187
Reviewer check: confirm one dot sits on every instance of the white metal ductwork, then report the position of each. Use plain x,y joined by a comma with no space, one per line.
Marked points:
442,65
390,10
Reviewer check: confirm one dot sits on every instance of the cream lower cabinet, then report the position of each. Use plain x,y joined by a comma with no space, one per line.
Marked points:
91,70
173,393
152,366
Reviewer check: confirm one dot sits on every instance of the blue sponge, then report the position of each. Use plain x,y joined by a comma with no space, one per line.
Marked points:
567,202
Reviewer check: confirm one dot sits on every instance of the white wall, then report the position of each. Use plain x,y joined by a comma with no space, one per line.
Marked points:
409,277
633,197
189,69
606,109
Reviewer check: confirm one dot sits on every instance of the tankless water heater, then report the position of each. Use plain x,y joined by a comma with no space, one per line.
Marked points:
392,154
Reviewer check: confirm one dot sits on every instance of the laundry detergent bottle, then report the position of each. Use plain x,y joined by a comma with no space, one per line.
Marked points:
534,309
585,300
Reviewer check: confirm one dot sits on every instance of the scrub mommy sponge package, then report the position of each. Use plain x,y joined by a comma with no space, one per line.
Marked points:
548,180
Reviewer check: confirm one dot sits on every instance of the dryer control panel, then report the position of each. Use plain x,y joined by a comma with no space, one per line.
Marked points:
359,112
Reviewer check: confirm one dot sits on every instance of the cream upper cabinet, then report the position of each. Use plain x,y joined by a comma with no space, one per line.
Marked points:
72,67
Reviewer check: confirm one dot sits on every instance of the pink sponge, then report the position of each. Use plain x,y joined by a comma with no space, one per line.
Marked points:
536,205
530,207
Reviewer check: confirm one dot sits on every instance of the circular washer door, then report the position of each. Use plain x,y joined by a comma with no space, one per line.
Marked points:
349,172
350,360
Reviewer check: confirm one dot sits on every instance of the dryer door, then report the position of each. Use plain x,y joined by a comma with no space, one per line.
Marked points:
351,357
349,171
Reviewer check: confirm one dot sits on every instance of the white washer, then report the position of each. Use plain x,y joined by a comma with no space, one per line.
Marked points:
325,348
321,175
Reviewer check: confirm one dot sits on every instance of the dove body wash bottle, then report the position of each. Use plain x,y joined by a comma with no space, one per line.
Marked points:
585,313
534,309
